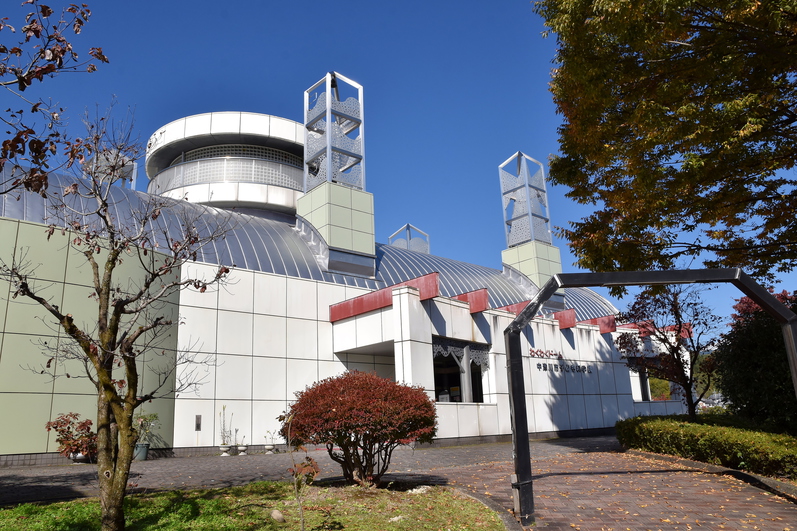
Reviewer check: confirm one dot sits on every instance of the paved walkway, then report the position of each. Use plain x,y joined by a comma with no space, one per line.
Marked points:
579,484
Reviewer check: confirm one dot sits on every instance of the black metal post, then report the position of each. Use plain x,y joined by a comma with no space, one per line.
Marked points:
522,486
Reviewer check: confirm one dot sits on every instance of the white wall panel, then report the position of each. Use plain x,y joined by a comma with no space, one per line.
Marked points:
302,299
302,339
622,378
625,406
197,125
185,411
191,296
268,379
440,313
300,374
578,412
225,122
488,419
468,417
344,335
574,381
543,413
264,418
369,328
594,411
560,412
327,369
461,322
606,378
325,351
610,409
328,294
269,336
198,333
447,420
238,293
234,335
252,123
589,380
270,294
233,377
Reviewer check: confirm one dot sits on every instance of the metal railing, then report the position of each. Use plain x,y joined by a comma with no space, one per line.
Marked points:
227,169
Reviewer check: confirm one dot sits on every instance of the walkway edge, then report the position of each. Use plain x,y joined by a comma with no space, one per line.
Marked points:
508,519
773,486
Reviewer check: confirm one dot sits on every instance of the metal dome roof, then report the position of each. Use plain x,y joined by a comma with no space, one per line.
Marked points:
273,245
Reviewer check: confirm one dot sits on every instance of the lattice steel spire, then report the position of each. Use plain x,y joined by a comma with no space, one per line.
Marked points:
334,148
525,201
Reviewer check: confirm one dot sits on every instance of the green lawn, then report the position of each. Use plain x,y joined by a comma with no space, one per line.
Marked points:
250,507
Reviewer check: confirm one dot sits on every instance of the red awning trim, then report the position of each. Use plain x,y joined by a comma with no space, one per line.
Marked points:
427,285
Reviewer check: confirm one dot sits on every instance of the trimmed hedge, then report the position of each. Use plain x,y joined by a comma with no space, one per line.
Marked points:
767,454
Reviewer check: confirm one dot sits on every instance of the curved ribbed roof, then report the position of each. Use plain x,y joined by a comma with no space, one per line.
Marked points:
394,265
273,245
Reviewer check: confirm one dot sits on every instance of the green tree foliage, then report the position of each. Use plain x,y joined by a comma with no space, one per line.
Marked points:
675,333
659,389
753,368
360,418
679,121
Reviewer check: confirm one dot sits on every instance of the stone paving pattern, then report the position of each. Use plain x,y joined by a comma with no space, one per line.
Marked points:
584,484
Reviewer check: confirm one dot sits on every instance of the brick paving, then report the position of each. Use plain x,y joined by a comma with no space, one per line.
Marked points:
582,484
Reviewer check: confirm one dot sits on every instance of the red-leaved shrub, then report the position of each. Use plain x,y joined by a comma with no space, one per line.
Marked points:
360,418
74,436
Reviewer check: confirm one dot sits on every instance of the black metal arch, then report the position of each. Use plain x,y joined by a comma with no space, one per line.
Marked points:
517,393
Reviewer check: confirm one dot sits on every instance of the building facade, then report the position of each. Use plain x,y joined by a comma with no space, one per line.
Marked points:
312,294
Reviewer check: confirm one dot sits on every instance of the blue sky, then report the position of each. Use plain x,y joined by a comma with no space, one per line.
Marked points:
452,89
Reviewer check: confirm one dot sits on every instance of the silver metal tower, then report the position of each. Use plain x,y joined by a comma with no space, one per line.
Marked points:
334,138
525,201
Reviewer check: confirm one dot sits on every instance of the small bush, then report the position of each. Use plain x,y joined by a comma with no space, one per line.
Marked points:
360,418
713,440
74,436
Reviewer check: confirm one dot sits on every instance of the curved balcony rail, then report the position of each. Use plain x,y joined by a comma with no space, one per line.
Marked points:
227,169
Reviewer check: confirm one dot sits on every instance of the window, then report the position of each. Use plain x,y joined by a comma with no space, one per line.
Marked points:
458,368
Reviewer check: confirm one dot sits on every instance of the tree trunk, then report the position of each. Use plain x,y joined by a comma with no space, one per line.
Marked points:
691,405
115,454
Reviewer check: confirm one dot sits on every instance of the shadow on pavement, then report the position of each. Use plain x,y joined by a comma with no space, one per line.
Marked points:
16,489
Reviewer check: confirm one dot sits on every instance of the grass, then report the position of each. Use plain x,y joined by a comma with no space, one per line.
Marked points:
250,507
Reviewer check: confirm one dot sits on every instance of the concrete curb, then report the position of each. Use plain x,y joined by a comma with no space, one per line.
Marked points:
773,486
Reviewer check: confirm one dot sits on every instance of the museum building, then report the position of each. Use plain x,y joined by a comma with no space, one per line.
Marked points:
312,294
